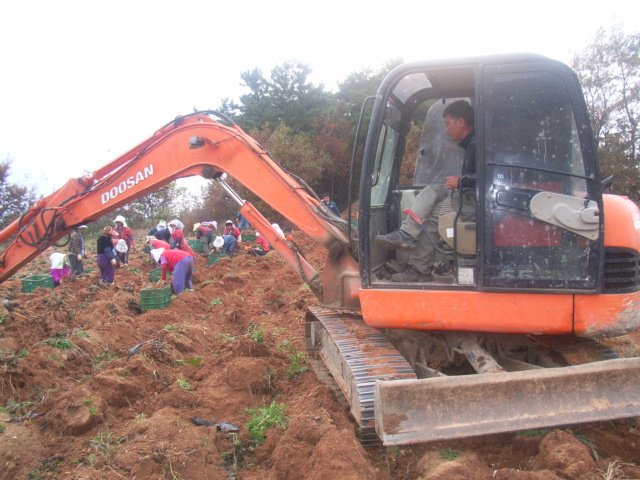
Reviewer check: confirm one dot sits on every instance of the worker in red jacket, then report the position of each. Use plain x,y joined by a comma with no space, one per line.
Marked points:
231,236
180,263
126,234
260,248
178,241
206,234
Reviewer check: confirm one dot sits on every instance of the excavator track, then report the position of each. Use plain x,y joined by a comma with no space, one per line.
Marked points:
582,381
356,356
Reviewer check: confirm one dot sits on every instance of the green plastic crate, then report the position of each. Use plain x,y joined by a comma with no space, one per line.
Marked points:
213,258
147,249
29,284
156,299
196,245
156,274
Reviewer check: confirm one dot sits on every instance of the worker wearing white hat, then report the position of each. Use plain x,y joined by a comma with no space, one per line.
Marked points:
231,236
180,263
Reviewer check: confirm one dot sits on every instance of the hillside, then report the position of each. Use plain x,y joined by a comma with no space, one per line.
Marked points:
80,402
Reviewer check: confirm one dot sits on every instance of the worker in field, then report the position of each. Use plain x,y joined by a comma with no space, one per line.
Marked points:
231,237
160,231
77,251
124,232
213,225
180,263
243,224
107,259
260,248
459,122
154,243
206,234
178,242
331,205
59,267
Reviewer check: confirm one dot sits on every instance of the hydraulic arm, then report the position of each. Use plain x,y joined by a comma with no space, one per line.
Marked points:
191,145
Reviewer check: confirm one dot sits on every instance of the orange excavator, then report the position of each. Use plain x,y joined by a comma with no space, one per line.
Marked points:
540,260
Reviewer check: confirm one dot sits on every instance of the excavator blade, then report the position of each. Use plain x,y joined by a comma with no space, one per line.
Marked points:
412,411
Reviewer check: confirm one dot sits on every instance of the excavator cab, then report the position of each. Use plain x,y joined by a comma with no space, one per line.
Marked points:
533,222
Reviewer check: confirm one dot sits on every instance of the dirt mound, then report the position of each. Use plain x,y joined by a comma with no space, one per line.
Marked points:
92,387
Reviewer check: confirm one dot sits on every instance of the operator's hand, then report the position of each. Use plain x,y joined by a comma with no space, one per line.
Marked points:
79,257
452,182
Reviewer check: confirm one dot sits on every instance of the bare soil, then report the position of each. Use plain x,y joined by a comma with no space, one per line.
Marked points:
80,404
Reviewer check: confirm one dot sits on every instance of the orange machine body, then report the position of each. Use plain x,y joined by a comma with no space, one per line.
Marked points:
597,314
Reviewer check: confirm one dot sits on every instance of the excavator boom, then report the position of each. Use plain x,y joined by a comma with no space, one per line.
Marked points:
191,145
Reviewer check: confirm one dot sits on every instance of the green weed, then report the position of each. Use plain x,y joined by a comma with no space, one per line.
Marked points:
255,333
17,409
107,356
194,362
449,454
261,419
297,359
184,384
59,343
106,444
216,301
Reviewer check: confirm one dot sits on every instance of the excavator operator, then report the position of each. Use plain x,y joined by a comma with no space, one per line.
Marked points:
459,121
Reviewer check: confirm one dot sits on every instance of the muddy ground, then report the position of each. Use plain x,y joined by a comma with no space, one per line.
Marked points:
78,403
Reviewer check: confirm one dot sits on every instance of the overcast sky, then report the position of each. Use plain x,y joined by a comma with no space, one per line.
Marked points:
84,81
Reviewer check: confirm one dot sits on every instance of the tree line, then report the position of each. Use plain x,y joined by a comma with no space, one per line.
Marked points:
311,131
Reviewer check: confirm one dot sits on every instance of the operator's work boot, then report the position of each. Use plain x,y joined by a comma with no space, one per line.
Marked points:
397,239
410,274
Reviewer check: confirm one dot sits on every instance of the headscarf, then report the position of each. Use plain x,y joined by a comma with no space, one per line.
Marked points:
277,228
155,253
177,223
108,231
212,224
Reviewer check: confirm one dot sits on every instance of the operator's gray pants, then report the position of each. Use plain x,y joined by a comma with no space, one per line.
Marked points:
427,205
